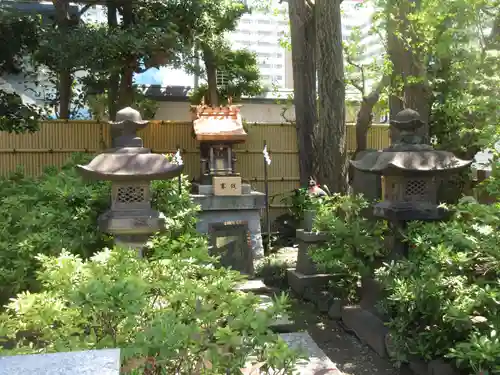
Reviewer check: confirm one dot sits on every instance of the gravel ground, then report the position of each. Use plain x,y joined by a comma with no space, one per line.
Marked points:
351,356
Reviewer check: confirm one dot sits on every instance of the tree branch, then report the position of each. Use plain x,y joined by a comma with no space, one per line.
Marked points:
361,88
87,7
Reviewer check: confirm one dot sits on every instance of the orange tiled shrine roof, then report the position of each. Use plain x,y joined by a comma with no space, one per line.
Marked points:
218,123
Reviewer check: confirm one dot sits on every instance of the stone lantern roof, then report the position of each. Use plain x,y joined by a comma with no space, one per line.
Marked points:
218,124
129,160
408,153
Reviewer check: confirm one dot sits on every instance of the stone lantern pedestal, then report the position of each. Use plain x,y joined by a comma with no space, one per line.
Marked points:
411,173
130,167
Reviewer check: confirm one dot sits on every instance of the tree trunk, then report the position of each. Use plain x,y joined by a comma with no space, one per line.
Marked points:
303,37
126,91
211,69
126,96
65,79
408,64
331,135
114,78
364,117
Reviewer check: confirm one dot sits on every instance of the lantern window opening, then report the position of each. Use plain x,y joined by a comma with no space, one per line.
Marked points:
130,194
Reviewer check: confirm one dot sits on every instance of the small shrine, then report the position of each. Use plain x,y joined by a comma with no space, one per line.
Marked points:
130,167
230,210
411,171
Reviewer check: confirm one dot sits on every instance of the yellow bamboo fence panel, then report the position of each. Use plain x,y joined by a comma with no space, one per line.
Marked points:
57,140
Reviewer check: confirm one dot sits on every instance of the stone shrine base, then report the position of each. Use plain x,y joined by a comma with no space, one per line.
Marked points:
230,216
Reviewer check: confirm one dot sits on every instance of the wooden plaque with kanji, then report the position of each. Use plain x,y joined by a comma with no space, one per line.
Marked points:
228,186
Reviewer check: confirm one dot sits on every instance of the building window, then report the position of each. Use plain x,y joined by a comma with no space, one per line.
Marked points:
278,78
278,66
264,22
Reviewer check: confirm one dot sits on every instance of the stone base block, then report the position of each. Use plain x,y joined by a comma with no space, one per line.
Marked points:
311,237
440,367
335,310
209,189
367,327
418,366
253,201
302,284
102,362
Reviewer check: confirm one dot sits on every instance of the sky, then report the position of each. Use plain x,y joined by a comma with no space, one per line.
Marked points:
164,77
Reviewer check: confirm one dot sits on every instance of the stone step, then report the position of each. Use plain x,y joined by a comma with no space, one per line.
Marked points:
256,286
316,361
281,323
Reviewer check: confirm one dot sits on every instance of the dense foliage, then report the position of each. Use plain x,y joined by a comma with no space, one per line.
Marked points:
57,211
137,36
239,76
172,312
171,315
443,299
355,243
45,215
19,37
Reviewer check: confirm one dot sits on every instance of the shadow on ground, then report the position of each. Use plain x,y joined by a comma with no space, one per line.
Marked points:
345,350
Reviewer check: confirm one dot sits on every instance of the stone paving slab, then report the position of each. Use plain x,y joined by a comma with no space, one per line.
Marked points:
281,323
254,286
317,363
91,362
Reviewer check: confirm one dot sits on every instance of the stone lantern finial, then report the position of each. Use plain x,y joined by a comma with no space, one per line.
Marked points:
128,122
404,128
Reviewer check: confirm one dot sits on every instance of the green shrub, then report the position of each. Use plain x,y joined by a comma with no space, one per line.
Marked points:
443,300
59,210
178,314
171,313
273,271
355,243
45,215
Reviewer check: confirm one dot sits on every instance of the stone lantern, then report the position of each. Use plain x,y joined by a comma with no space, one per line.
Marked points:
130,167
412,172
230,210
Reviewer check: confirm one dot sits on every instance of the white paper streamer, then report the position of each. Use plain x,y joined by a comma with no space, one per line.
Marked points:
178,157
267,158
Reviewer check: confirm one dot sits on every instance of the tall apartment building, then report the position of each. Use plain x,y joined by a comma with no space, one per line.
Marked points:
358,14
261,33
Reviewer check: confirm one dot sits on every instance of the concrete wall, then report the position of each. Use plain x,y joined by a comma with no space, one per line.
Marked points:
251,112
